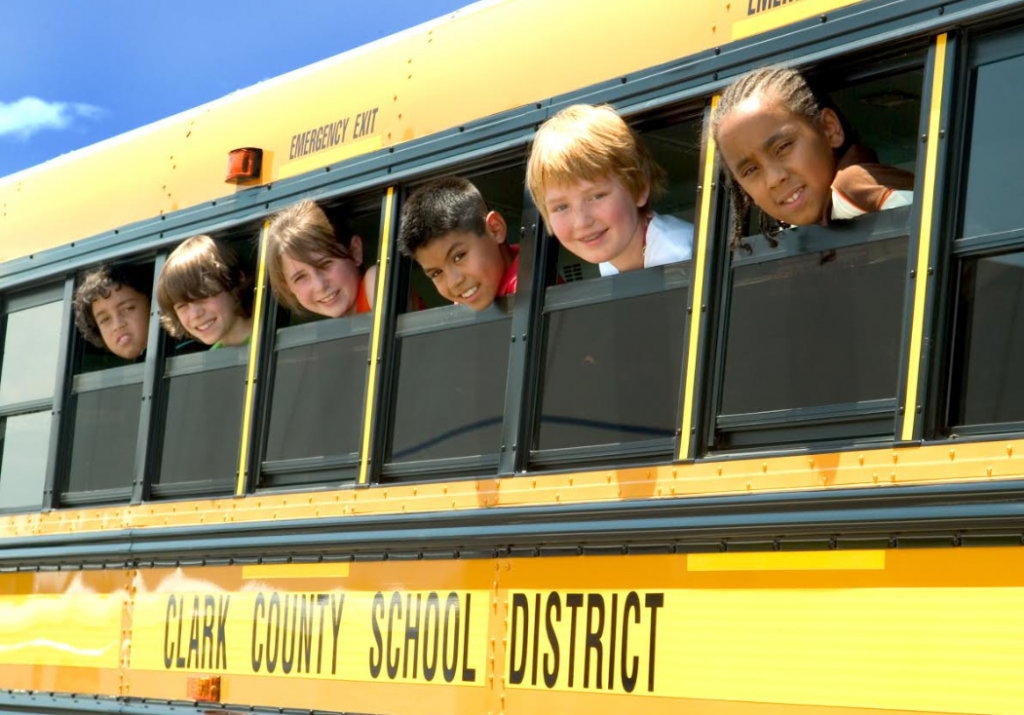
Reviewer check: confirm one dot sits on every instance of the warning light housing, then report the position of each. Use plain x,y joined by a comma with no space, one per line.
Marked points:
244,165
204,688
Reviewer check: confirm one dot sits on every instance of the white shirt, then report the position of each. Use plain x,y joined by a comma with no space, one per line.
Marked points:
669,240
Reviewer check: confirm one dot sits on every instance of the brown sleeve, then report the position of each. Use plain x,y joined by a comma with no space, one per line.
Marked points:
867,186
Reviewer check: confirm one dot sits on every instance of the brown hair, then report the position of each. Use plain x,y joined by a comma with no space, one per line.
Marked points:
443,206
100,283
199,268
584,142
790,88
304,232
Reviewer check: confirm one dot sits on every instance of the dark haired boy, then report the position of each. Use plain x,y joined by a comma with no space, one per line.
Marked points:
112,309
460,245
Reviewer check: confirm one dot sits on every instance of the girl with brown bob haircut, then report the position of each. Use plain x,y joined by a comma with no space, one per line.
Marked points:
315,270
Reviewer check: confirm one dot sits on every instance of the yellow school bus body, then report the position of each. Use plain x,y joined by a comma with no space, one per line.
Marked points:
849,631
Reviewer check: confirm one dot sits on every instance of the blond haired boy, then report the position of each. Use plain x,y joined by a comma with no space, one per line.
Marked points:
592,180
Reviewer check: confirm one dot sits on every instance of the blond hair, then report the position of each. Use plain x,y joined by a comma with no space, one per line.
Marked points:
304,233
201,267
588,143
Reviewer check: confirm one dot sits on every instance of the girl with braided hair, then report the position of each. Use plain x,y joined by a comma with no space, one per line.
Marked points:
789,154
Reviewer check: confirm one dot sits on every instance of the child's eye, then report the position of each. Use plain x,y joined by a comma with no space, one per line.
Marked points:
433,275
458,257
748,171
784,146
104,320
558,209
599,195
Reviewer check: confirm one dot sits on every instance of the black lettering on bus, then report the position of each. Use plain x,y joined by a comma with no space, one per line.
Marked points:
172,605
412,635
288,645
653,601
451,604
595,604
554,604
396,603
259,610
321,602
336,627
573,601
222,631
518,670
273,625
536,638
193,640
468,674
179,662
433,604
611,648
305,635
375,665
209,617
632,603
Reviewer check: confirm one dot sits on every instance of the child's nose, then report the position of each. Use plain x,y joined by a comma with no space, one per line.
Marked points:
776,173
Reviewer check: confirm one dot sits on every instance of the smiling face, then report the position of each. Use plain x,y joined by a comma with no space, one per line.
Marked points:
123,320
214,319
599,221
467,268
328,286
784,162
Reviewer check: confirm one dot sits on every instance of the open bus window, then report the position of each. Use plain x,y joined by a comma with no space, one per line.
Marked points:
985,381
613,346
113,311
203,383
452,359
314,419
812,334
31,337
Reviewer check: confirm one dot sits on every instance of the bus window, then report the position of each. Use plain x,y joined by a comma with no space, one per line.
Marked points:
314,427
986,385
31,338
112,313
203,386
452,360
813,329
613,346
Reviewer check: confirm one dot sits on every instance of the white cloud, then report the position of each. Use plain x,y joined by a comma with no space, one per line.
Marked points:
30,115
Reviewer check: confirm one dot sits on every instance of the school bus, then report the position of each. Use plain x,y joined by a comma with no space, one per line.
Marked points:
787,481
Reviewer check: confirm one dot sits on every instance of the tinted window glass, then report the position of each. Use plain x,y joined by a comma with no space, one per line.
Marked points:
612,371
24,441
451,393
204,427
30,354
105,432
995,182
817,329
318,400
988,383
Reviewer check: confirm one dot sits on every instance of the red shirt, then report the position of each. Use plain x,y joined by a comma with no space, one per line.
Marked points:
508,281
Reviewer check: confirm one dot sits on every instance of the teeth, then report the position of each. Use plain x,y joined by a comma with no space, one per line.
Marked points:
794,196
330,298
470,293
204,326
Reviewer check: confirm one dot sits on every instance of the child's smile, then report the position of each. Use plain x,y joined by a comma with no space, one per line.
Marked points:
784,162
599,221
467,268
327,287
213,319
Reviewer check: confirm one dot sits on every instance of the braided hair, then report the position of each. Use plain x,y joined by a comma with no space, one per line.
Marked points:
790,88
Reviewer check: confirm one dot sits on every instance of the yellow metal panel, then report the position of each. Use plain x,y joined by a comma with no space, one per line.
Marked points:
72,630
925,242
765,15
273,572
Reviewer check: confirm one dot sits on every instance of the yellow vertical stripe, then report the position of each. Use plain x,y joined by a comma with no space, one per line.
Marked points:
924,248
378,310
700,256
250,382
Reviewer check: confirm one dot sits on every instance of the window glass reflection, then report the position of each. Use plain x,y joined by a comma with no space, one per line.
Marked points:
30,354
24,442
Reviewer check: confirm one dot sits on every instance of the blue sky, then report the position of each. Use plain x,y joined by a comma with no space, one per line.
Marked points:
75,72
